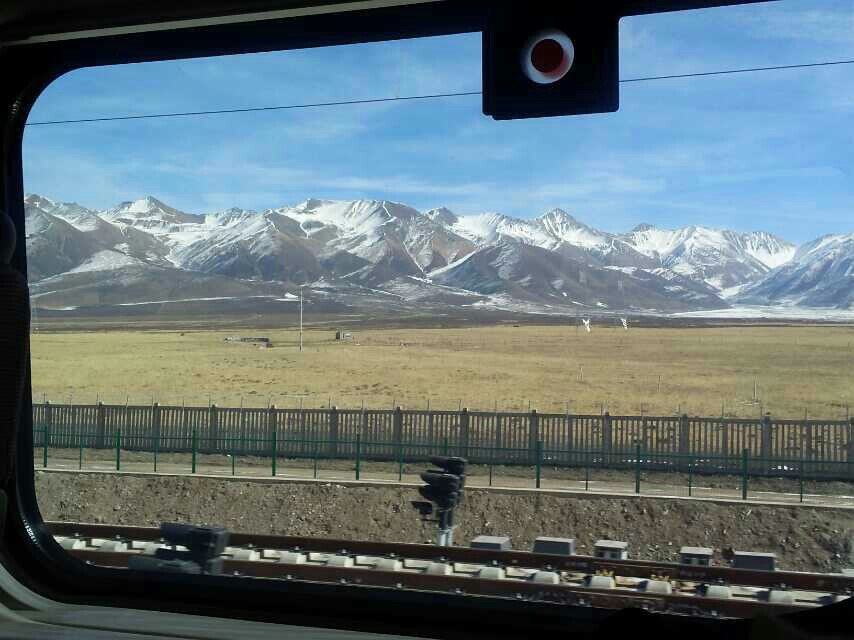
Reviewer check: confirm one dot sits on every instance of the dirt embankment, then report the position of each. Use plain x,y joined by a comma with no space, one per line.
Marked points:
804,538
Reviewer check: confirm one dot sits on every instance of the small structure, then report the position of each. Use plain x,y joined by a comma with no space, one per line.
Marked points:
292,557
697,556
545,577
716,590
599,582
611,549
492,573
777,596
439,569
264,342
494,543
662,587
342,335
754,560
557,546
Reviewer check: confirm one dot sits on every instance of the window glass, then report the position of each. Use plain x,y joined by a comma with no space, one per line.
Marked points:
327,265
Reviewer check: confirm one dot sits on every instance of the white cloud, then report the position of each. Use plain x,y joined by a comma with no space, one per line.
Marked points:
825,23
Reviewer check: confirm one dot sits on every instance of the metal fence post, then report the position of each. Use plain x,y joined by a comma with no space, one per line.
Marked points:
274,453
397,425
445,446
587,470
637,467
690,477
851,448
464,431
118,449
801,477
100,424
156,448
195,445
45,439
491,464
684,427
606,434
533,432
272,422
358,454
333,434
744,470
48,419
155,420
80,452
765,441
213,420
539,467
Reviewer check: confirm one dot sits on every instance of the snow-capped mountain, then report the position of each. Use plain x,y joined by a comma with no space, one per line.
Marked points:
152,214
548,231
391,249
526,271
821,274
722,258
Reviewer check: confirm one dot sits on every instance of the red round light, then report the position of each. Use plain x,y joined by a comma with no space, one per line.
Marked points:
547,56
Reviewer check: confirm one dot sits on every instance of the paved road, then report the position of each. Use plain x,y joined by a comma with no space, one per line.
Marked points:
647,488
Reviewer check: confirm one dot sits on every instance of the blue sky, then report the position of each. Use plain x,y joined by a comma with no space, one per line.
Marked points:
769,151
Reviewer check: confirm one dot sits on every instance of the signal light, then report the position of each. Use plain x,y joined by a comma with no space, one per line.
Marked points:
453,465
547,56
444,488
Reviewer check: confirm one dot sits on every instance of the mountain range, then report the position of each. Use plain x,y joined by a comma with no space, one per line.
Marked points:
144,252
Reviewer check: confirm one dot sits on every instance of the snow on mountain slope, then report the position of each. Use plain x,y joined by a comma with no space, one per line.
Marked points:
80,217
353,219
376,245
561,226
268,246
53,245
150,214
548,231
524,271
377,237
768,249
229,217
821,274
722,258
105,260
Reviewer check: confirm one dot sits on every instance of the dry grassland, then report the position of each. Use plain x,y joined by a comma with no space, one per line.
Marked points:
702,371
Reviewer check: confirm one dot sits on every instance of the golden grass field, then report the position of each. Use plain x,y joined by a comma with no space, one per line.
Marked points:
703,371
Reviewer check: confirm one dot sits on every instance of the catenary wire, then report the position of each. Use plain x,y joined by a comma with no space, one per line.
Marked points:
179,114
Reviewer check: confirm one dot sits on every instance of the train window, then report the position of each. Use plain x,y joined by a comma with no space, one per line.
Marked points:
270,290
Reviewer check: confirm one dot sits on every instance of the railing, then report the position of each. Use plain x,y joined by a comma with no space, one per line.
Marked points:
671,442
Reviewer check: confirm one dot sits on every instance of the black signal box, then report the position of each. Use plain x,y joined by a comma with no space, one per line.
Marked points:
523,74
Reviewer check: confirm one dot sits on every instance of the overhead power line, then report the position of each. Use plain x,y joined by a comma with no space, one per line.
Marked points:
309,105
725,72
338,103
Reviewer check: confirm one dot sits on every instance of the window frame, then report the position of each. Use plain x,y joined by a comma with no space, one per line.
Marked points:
28,550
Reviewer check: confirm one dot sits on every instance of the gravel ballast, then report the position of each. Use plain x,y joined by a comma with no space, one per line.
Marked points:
805,538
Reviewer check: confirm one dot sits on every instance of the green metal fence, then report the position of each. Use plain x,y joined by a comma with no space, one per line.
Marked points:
713,445
588,462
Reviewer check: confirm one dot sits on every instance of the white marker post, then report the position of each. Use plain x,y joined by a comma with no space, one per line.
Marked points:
300,317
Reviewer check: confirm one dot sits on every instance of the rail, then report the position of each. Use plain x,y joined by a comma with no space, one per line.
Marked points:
465,575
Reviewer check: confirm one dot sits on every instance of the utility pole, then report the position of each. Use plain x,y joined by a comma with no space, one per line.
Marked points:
300,317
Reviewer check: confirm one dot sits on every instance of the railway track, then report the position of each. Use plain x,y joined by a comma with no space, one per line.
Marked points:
581,580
